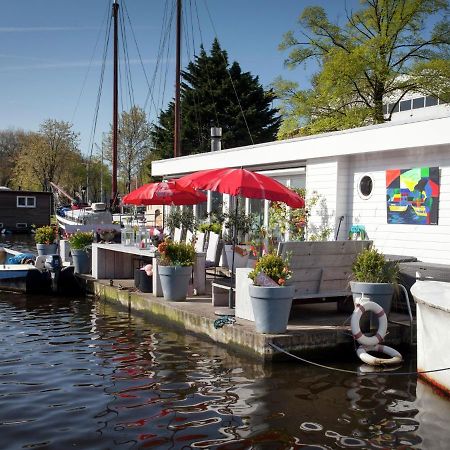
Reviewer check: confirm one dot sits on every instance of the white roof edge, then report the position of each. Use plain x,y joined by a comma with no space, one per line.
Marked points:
309,147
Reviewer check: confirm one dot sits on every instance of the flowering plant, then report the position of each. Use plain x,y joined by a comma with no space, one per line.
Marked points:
274,267
176,254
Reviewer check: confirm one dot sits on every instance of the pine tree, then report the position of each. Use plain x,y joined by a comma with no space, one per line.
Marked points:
209,97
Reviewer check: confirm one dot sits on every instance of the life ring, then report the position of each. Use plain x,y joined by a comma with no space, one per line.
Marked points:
360,309
395,356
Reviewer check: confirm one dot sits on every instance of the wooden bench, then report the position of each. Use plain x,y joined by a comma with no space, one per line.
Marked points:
321,270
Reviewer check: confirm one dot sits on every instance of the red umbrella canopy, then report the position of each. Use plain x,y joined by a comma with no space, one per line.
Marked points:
244,183
164,193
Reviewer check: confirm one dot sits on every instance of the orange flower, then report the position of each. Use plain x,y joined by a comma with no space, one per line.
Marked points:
281,281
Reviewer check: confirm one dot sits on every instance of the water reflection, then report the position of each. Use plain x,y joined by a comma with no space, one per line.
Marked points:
78,373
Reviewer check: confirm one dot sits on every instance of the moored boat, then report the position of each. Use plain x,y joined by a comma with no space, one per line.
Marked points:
26,273
433,337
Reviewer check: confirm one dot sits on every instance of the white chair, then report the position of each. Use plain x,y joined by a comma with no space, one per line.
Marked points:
213,251
199,242
177,235
189,236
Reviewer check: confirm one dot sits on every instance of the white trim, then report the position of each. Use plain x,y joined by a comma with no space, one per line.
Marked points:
358,187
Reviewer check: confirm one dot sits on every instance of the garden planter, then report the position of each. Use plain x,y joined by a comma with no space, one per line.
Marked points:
241,255
81,261
271,307
47,249
380,293
175,281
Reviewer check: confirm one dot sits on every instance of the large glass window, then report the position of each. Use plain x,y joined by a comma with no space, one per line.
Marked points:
431,101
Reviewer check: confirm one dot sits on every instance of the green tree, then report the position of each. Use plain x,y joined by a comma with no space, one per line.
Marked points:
209,98
46,155
133,144
381,54
10,144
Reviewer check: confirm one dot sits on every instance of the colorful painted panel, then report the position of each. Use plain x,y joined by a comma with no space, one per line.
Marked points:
413,195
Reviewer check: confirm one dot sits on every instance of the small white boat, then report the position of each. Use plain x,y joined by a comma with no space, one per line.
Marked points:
433,332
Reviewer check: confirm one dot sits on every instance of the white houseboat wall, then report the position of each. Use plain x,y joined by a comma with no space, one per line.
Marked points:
336,165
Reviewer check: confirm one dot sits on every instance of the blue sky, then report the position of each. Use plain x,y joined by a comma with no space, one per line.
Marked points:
50,62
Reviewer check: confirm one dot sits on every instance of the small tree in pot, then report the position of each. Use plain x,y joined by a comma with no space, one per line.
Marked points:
175,267
270,296
374,277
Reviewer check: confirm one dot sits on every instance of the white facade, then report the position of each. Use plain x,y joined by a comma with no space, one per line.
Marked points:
332,164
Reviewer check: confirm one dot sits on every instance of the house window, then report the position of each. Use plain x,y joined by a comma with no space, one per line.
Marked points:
26,202
365,186
393,107
21,225
431,101
405,105
419,102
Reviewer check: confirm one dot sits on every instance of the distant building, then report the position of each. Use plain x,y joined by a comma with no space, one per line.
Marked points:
20,210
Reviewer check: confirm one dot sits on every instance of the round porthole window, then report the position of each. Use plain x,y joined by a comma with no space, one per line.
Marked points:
365,186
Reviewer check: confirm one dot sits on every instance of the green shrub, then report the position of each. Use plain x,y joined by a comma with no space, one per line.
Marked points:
80,240
45,235
176,254
274,266
371,266
215,227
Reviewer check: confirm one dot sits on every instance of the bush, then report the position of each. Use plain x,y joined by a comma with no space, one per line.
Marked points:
215,227
371,266
176,254
272,265
80,240
45,235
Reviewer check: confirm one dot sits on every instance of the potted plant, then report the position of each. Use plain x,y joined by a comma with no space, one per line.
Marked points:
175,263
80,244
374,278
45,240
271,298
239,225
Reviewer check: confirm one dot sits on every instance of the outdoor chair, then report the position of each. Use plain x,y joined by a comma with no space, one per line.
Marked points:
189,236
213,251
177,235
199,242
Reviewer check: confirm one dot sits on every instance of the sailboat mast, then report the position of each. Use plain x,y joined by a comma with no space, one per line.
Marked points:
177,125
115,12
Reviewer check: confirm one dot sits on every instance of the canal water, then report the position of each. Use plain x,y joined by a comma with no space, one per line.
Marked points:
78,373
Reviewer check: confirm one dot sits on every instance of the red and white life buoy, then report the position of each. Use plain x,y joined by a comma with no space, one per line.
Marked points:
395,356
360,309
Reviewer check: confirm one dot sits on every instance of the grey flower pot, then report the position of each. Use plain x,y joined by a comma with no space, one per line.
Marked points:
47,249
271,307
175,281
81,261
380,293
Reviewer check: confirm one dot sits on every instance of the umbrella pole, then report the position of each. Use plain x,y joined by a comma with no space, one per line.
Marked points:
230,294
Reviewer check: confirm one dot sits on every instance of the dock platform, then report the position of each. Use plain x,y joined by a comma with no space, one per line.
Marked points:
313,329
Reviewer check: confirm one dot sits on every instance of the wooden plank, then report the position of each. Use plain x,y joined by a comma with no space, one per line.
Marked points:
301,248
320,262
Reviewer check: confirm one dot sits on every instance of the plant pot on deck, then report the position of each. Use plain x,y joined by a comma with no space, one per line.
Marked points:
81,261
47,249
271,307
380,293
175,281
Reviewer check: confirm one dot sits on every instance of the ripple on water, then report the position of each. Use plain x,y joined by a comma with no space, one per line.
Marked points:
78,374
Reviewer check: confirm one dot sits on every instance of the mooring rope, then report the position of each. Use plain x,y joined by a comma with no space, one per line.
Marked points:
353,372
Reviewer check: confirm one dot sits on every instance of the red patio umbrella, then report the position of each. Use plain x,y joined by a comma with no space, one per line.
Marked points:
239,181
244,183
164,193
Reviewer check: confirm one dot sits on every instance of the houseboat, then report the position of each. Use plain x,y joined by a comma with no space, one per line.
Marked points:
21,210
